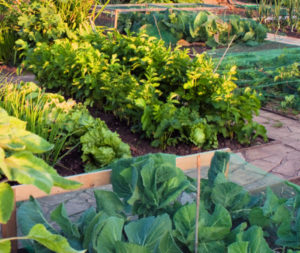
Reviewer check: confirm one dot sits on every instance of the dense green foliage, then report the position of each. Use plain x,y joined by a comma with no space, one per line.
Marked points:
8,38
202,27
159,91
230,219
67,124
38,20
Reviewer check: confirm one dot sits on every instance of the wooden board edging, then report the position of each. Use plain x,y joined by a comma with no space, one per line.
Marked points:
99,178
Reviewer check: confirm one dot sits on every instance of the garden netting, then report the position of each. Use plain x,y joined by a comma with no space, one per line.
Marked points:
252,178
273,73
117,15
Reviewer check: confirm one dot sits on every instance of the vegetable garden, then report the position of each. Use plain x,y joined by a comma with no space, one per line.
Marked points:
147,76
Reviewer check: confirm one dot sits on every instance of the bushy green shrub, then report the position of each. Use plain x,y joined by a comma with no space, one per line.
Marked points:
8,51
161,92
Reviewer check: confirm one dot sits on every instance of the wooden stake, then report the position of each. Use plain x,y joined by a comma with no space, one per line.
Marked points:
116,19
227,170
198,200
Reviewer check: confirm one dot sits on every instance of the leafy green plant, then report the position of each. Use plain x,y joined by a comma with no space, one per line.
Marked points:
203,27
101,231
150,184
100,146
18,163
66,123
161,92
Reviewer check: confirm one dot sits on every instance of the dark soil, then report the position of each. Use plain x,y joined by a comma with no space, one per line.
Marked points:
141,146
70,164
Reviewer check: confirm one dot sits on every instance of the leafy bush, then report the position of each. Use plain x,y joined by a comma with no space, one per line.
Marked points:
39,20
67,124
202,27
161,92
230,219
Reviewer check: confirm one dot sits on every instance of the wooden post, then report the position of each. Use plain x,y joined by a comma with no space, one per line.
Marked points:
10,228
116,19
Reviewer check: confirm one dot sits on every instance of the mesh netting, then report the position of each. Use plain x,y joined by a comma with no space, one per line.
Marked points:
252,178
120,15
273,73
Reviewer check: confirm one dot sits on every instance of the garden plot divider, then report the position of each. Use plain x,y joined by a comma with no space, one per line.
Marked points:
90,180
110,14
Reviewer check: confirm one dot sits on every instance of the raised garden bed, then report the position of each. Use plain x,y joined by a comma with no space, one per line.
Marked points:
89,180
238,171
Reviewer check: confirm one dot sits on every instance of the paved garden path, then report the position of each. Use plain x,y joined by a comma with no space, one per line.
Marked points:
281,156
283,39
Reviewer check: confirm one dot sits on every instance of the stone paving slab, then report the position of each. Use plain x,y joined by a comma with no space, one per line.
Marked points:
283,157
